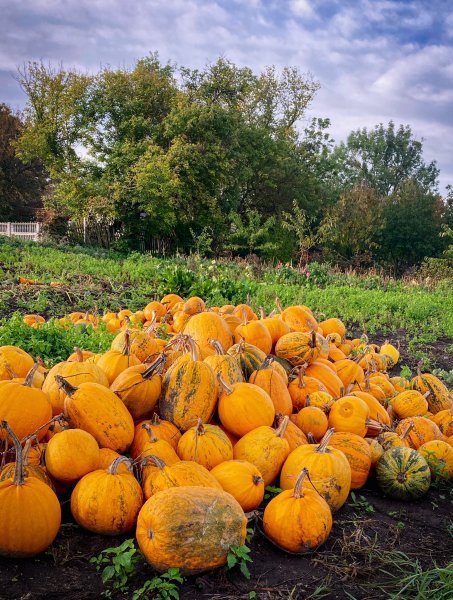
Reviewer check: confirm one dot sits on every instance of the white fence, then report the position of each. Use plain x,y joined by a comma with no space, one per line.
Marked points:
25,231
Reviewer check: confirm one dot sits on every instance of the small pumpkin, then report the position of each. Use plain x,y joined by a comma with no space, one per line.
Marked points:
206,445
403,474
349,414
71,454
242,480
301,387
272,382
439,456
312,420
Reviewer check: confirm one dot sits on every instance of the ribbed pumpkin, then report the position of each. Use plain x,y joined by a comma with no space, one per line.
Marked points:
169,300
301,387
224,364
16,360
298,520
71,454
24,407
250,357
206,445
115,362
409,404
403,474
391,351
312,420
266,448
293,435
154,310
299,347
243,481
76,372
444,420
139,387
376,411
244,311
179,474
189,392
390,439
349,414
108,501
272,382
33,467
142,345
383,381
157,447
207,326
299,318
276,327
349,371
99,411
439,456
358,453
423,430
243,407
163,430
255,333
438,397
30,514
327,377
194,305
190,528
329,470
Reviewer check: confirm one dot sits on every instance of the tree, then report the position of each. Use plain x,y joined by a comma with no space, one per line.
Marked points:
21,183
383,158
299,223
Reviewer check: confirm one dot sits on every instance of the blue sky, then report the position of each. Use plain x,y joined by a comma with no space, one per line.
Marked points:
376,60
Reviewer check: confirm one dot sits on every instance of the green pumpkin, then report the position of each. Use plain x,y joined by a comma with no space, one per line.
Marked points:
403,474
250,357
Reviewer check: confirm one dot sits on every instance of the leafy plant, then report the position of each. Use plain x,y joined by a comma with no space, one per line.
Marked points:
161,587
119,564
271,491
360,503
239,556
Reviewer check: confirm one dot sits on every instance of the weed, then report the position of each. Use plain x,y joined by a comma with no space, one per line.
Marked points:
161,587
120,563
360,503
239,556
272,491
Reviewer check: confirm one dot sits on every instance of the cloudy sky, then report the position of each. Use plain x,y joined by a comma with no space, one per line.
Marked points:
376,60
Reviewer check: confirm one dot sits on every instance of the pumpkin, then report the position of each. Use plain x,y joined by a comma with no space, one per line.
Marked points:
301,387
312,420
298,347
114,362
327,377
33,465
329,469
250,357
26,408
293,435
272,382
243,481
333,326
439,456
349,414
276,328
391,351
190,528
142,345
409,404
71,454
169,301
16,360
96,409
224,364
376,411
30,516
418,430
243,407
390,439
108,501
163,430
232,322
154,311
376,450
299,318
438,397
349,371
157,447
204,327
266,448
444,420
244,311
383,381
76,372
194,305
322,400
163,475
107,456
139,387
189,392
207,445
358,453
298,520
255,333
403,474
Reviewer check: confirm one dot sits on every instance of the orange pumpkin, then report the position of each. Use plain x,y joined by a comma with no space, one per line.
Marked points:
207,326
349,414
271,382
300,388
312,420
71,454
243,481
358,453
299,347
206,445
162,430
439,456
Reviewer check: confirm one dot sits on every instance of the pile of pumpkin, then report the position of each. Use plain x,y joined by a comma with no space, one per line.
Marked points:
180,436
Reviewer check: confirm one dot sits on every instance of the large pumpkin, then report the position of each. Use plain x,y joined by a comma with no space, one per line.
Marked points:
14,360
190,528
298,520
438,397
403,473
223,364
107,502
30,514
207,326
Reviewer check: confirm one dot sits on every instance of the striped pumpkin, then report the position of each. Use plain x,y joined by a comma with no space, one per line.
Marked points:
438,398
403,474
299,347
358,452
250,357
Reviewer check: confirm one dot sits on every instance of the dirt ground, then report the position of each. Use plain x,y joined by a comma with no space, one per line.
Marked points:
354,559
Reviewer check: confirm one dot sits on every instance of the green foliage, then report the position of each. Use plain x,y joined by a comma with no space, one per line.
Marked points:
271,491
239,556
360,503
161,587
118,565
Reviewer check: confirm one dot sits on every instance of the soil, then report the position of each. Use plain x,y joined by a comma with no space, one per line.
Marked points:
353,560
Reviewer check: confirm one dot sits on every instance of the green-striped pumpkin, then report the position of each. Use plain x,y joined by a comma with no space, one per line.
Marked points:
438,398
403,474
250,357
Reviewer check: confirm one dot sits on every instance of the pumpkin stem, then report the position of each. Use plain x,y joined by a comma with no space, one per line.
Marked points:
64,385
311,438
79,354
112,469
281,429
217,347
30,375
262,313
257,479
312,342
266,362
155,419
244,317
193,348
152,324
410,427
154,460
199,427
227,388
152,436
278,304
19,473
127,343
11,372
419,368
155,367
299,482
325,440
